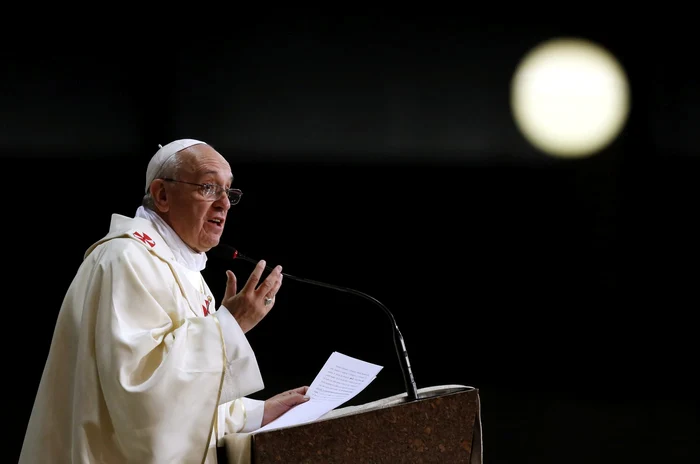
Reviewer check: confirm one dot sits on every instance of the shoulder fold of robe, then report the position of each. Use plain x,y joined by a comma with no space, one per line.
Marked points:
134,374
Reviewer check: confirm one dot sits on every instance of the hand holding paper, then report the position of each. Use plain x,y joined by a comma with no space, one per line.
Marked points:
340,379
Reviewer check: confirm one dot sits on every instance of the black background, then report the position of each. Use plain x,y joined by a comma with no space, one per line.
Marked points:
381,155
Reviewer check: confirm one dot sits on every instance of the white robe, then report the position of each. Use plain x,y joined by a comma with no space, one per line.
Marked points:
136,372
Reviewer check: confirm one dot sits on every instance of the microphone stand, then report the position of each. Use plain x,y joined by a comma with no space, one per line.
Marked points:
411,389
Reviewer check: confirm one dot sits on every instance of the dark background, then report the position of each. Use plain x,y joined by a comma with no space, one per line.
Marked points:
381,155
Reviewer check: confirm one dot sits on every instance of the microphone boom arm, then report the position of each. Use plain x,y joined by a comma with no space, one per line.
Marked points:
400,346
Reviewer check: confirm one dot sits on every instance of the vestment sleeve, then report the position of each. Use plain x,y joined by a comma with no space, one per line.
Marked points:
241,415
161,374
239,359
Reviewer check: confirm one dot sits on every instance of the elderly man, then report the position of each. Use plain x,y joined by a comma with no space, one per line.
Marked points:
143,367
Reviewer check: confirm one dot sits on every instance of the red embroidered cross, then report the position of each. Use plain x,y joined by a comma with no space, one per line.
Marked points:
205,306
145,238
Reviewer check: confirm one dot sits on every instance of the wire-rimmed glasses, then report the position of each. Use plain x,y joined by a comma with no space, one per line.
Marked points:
213,191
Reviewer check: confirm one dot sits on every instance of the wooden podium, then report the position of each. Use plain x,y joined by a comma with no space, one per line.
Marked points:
442,426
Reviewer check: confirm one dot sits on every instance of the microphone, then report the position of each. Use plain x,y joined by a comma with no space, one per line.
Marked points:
411,390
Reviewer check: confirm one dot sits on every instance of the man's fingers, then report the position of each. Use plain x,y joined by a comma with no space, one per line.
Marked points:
298,395
271,283
231,282
230,285
254,278
275,288
301,390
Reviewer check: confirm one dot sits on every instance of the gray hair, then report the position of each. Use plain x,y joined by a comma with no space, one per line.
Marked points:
170,169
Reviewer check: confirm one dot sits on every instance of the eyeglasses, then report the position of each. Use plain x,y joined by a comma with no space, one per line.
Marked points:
213,191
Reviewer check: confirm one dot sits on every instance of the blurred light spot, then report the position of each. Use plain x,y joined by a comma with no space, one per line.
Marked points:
570,97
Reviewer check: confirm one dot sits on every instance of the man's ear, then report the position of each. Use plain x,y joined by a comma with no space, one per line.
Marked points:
160,195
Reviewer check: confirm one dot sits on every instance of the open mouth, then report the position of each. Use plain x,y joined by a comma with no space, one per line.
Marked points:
216,222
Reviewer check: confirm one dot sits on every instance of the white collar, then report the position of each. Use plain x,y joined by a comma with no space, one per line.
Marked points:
182,252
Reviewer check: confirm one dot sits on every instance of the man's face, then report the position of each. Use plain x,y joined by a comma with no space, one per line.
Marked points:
197,220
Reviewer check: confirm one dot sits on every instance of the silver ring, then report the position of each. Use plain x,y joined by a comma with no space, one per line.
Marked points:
268,301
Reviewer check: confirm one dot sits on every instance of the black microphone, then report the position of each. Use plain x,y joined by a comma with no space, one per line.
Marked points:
399,344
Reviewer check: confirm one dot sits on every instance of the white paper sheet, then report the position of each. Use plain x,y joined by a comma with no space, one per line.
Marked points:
341,378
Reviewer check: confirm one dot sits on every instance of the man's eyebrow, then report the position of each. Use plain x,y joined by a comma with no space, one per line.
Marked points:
216,172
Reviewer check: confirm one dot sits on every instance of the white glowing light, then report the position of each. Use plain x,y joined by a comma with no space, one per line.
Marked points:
570,97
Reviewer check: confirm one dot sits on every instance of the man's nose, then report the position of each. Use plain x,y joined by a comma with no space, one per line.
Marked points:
223,202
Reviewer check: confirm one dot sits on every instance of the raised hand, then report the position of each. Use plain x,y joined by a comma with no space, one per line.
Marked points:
253,302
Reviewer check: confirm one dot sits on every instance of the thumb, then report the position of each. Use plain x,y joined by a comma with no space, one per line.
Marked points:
230,285
296,398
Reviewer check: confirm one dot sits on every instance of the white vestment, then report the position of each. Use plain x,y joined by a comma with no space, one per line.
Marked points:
137,372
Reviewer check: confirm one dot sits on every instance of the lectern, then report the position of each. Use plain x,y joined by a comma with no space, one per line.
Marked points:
443,426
